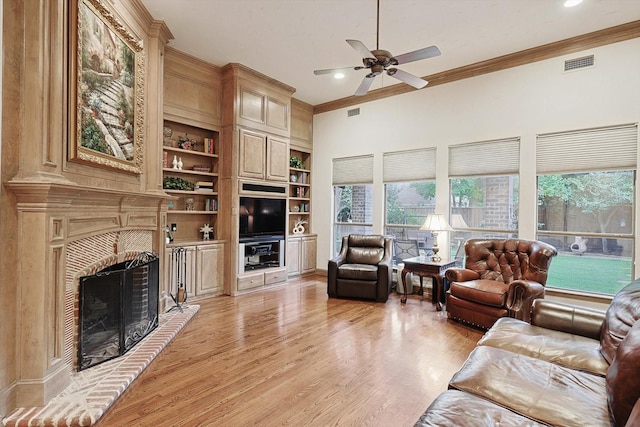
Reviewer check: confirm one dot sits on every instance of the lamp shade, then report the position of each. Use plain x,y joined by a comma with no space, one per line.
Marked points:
436,222
457,221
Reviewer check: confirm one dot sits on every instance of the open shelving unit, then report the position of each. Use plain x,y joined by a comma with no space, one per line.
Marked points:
300,189
197,206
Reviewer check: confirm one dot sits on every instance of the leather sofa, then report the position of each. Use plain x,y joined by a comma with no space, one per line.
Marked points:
572,366
362,269
501,278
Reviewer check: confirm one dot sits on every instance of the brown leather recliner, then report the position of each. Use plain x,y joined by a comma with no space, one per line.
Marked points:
362,269
501,278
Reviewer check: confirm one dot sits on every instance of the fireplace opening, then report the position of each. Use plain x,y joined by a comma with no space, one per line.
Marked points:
118,307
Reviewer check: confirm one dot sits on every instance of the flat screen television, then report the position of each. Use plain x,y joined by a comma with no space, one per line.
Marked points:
262,217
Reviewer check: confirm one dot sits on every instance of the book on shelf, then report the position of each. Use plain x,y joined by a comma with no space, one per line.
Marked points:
204,186
211,205
165,159
201,168
209,146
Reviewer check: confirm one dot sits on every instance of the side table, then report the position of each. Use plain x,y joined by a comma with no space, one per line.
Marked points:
423,266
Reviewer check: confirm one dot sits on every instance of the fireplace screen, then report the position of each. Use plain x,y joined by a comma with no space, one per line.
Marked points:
118,308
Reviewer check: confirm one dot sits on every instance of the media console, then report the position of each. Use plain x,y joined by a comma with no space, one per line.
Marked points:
260,253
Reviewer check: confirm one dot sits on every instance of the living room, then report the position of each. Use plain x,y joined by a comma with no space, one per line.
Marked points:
521,101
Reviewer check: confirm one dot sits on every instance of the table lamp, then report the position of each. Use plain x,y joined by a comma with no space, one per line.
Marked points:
435,223
457,222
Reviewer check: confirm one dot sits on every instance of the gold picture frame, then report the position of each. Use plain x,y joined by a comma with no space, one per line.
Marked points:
107,89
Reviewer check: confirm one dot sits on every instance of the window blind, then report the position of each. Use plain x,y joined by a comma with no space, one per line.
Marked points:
412,165
353,170
596,149
486,158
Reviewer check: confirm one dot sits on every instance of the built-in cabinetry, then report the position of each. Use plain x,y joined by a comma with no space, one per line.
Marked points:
301,254
299,190
202,271
191,158
262,157
261,264
255,144
301,245
255,128
190,173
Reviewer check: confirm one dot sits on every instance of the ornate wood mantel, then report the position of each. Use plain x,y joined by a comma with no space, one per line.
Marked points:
80,224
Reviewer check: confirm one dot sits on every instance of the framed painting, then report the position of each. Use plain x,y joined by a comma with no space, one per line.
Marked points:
107,89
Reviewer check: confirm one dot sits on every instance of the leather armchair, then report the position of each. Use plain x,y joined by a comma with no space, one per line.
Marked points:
501,278
362,269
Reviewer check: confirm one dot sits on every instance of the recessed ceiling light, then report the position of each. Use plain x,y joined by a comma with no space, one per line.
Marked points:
339,75
572,3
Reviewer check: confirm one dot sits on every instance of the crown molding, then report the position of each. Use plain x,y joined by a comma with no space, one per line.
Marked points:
580,43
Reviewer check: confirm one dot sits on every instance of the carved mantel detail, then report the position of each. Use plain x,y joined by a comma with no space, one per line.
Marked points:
84,226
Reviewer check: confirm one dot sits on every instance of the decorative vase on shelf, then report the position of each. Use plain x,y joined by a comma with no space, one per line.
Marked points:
180,163
189,204
298,227
175,162
293,177
166,136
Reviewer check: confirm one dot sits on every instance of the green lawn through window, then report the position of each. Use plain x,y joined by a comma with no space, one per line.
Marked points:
605,275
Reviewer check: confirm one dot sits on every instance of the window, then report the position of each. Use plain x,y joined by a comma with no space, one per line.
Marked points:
353,198
410,191
484,192
586,207
353,211
483,207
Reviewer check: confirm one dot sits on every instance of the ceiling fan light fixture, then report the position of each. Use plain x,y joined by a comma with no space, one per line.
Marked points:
378,61
338,76
572,3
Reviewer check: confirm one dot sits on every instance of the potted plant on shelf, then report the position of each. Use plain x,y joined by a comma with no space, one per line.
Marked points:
176,183
296,162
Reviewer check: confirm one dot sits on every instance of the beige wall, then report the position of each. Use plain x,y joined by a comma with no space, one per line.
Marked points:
518,102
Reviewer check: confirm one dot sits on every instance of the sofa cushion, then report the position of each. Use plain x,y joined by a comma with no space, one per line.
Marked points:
365,255
623,378
455,408
487,292
358,272
569,350
623,312
534,388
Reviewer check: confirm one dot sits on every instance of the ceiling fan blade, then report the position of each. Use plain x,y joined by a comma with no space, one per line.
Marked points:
417,55
365,85
333,70
361,48
409,79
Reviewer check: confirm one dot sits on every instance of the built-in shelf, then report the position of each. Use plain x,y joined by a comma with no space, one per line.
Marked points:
192,208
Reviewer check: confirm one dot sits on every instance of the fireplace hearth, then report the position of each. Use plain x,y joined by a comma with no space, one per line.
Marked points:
118,307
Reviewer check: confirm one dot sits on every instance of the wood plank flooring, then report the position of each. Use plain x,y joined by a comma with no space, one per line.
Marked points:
291,356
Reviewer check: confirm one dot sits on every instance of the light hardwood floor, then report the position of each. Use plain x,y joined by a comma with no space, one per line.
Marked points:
291,356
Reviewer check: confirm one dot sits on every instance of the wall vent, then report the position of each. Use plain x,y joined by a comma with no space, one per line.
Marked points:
353,112
578,63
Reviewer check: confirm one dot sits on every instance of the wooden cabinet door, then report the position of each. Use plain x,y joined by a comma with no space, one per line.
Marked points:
308,257
251,155
278,160
210,269
293,256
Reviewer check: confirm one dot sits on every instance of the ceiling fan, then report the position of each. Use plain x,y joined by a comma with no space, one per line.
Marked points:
378,61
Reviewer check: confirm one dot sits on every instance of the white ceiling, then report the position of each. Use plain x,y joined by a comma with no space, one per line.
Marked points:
288,39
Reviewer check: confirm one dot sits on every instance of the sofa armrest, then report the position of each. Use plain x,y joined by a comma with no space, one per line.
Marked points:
332,268
461,275
520,297
385,272
569,318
